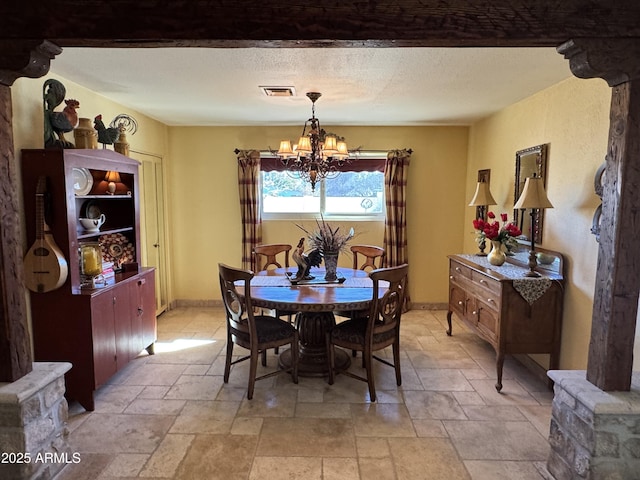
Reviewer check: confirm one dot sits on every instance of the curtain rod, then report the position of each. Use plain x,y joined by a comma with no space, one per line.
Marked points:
357,153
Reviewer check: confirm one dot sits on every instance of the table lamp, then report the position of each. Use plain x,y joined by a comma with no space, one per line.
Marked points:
112,177
533,197
481,199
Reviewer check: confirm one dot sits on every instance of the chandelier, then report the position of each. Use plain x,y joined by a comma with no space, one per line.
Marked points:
317,155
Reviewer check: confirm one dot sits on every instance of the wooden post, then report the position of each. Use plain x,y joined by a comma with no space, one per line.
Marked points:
15,347
615,305
23,59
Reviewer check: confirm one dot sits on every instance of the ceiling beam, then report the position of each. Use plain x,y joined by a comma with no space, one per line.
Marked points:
278,23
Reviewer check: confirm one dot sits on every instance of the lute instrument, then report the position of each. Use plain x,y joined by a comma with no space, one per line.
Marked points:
45,267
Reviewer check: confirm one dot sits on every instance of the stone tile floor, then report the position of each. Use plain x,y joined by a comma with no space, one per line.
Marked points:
170,415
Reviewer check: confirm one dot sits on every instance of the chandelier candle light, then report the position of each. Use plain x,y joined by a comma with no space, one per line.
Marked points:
533,197
317,154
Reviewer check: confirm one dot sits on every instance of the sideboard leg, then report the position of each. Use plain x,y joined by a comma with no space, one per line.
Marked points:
449,322
499,365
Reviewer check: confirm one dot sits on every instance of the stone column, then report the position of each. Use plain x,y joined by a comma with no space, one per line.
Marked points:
33,424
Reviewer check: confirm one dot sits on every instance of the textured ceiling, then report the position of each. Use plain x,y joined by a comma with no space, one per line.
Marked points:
359,86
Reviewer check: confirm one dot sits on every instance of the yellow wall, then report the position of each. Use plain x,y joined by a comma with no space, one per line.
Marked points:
204,206
28,127
573,118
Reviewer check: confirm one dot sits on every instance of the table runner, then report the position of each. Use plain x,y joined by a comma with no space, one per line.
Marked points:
529,288
282,281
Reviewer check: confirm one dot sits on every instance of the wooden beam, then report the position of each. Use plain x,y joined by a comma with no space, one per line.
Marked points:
277,23
15,346
25,58
615,305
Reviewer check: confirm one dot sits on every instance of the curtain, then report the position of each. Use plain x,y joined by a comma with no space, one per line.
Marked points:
248,178
395,226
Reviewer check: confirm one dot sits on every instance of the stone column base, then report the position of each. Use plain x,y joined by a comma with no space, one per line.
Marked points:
594,435
33,419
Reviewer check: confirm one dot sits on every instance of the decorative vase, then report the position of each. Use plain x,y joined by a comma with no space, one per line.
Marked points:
496,256
121,145
85,135
331,266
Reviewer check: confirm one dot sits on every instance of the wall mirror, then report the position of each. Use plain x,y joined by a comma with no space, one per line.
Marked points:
529,161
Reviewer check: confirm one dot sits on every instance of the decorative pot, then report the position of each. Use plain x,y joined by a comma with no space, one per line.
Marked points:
85,135
496,256
121,145
331,266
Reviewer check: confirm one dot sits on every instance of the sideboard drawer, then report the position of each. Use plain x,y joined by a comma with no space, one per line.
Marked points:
488,298
457,270
485,281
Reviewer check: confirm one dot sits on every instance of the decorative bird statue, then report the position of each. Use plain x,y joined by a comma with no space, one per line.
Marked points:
56,124
106,136
305,261
125,124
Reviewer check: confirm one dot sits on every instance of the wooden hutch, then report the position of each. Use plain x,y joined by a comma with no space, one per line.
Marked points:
97,330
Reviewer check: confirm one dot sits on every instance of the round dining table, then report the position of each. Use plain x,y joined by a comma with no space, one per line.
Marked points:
315,302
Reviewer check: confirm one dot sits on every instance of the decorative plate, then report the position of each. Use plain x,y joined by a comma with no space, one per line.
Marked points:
90,209
117,249
82,181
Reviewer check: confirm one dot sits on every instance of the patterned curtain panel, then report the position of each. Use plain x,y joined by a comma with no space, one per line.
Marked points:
395,227
248,177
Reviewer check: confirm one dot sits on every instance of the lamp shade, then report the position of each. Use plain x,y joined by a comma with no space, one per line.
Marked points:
285,149
304,145
112,176
482,196
330,147
533,195
343,151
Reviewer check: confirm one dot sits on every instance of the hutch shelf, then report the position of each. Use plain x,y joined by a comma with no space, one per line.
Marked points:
97,330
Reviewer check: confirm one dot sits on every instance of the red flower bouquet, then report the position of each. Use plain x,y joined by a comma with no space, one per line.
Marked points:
491,230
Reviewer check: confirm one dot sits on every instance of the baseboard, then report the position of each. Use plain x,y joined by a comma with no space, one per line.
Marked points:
534,367
196,303
429,306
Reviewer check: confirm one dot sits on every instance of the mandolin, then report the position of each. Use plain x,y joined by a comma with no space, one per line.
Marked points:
45,267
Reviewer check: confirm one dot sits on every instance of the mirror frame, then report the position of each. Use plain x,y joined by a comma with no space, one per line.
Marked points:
540,152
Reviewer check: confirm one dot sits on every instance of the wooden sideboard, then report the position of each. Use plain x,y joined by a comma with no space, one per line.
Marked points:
514,313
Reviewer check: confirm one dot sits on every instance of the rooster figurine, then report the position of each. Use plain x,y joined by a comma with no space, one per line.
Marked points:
106,135
56,124
305,262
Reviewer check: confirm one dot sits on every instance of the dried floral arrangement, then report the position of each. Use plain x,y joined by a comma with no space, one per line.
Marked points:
326,238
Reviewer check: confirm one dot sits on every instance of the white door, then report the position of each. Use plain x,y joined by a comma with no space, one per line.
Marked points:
152,222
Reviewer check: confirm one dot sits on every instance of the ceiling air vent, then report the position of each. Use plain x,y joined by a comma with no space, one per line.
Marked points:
279,91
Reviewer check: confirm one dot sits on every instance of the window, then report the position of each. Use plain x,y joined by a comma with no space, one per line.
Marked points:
357,192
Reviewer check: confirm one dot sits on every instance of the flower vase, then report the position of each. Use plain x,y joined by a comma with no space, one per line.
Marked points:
331,266
496,256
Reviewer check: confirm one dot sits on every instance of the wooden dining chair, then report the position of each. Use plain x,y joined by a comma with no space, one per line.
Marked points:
256,333
371,254
271,252
380,330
